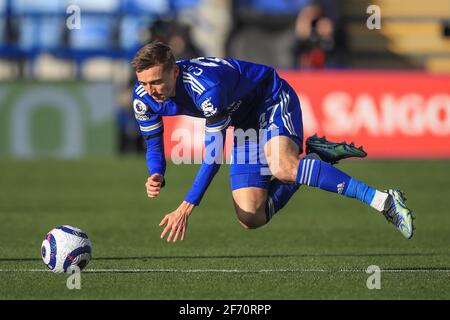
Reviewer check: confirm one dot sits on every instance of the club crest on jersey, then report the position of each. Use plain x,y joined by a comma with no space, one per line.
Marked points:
140,109
208,108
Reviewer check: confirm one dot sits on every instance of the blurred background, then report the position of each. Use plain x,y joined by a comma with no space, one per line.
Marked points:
65,72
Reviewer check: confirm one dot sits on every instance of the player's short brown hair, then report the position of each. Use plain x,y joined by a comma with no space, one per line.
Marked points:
153,53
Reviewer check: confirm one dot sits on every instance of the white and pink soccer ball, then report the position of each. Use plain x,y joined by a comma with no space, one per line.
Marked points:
64,247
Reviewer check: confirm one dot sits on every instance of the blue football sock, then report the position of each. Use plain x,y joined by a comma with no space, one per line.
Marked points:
360,190
316,173
278,195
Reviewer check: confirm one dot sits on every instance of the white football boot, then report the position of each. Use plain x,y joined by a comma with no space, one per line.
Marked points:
398,214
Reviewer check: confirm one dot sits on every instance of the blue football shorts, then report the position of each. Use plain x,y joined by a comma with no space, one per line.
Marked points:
279,117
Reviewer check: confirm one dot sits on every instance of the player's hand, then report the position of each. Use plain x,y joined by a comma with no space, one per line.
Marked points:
177,222
154,185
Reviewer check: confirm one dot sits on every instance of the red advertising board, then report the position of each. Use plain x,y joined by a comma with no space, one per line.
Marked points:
392,114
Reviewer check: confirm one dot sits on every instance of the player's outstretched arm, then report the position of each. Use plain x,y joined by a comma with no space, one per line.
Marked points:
176,222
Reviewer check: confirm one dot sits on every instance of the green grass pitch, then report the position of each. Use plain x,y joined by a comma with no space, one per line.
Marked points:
317,247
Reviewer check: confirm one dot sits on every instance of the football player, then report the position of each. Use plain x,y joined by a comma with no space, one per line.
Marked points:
247,96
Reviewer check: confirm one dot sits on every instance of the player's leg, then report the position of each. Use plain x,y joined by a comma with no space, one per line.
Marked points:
255,200
285,165
255,206
248,185
280,192
250,206
256,196
282,149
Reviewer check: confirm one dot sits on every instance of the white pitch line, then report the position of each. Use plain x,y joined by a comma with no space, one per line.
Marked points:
235,270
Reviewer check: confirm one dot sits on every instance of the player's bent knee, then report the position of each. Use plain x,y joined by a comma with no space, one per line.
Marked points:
280,173
284,170
251,220
250,204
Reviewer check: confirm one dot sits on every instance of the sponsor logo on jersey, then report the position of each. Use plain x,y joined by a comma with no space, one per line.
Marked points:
208,108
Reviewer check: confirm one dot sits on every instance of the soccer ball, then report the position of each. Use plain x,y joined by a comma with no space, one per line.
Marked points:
64,247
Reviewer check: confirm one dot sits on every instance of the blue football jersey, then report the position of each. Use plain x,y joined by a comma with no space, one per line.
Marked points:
223,91
226,90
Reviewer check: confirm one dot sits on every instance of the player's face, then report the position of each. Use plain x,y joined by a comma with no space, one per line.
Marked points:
159,83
